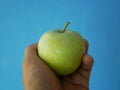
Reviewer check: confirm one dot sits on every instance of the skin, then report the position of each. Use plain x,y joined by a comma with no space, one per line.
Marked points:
37,75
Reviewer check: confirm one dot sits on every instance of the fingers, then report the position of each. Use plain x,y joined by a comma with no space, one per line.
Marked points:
87,46
86,66
81,76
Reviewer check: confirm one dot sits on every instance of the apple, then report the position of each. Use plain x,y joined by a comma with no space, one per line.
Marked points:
61,50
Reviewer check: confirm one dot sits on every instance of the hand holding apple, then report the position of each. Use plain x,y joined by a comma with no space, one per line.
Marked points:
38,76
62,50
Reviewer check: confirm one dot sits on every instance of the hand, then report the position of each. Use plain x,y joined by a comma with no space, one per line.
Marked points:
37,75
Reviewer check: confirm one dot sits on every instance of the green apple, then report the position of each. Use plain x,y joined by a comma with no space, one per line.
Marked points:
62,50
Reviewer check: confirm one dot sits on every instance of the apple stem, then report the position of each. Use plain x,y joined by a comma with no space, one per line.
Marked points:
65,27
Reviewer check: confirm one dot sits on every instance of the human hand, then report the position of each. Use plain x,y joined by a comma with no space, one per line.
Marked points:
37,75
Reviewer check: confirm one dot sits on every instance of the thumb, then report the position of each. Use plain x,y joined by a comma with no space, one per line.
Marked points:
86,66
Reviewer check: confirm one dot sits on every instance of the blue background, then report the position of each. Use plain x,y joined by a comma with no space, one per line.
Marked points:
22,22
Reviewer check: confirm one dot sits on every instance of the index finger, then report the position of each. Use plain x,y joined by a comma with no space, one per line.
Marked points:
86,46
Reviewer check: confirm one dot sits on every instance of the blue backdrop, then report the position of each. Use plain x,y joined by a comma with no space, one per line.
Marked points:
22,22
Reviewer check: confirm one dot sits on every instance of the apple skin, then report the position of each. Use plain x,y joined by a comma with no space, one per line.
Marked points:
62,51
